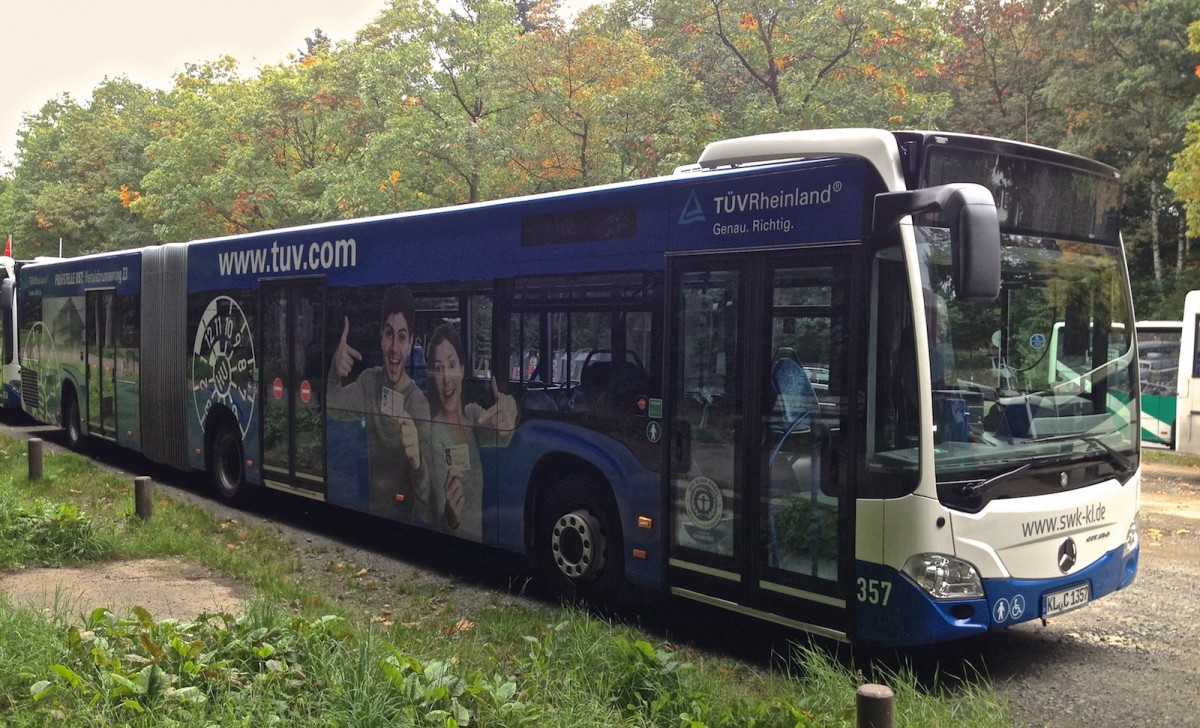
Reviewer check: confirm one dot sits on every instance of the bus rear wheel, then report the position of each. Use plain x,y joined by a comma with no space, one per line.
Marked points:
226,468
579,542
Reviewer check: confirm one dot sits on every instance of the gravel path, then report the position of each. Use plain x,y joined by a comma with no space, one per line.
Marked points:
1131,659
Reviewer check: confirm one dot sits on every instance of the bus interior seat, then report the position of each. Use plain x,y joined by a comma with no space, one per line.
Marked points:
627,381
607,385
795,392
595,376
537,399
593,381
801,470
786,352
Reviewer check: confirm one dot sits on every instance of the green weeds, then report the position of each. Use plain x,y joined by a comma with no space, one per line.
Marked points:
300,655
44,533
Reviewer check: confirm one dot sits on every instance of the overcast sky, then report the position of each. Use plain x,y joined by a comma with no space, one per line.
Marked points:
54,46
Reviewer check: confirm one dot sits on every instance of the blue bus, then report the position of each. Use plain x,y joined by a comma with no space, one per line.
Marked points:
803,379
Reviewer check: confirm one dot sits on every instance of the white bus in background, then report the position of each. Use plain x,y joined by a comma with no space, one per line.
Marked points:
10,384
1187,401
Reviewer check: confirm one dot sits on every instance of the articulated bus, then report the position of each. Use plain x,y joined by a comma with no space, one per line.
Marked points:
804,379
1159,366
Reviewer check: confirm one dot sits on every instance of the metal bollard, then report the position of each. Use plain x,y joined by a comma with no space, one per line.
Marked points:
35,459
143,497
876,706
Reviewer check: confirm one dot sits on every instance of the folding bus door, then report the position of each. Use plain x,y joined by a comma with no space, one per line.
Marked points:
293,391
101,363
759,498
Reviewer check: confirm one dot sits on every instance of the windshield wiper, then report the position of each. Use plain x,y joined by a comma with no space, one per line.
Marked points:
1122,459
977,489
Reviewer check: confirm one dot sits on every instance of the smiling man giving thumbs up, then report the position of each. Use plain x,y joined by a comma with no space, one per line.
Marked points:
395,409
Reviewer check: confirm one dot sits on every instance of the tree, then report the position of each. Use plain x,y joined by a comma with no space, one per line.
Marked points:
806,64
235,156
188,193
593,100
79,172
465,106
435,78
1123,85
997,72
1184,177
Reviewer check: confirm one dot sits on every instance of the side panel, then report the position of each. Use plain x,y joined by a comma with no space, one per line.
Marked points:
220,362
52,310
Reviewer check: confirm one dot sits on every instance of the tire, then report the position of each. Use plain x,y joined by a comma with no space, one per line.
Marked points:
226,465
71,421
579,542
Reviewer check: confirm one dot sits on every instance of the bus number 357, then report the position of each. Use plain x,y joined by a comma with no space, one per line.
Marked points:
874,591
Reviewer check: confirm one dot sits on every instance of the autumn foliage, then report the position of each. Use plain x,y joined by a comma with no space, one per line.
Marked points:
437,103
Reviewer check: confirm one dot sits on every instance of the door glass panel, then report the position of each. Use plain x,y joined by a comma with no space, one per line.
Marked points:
706,484
101,362
276,379
801,423
308,361
293,369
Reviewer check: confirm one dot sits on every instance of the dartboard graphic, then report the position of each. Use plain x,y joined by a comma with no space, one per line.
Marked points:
223,362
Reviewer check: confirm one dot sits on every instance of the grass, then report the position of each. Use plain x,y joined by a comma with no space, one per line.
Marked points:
304,654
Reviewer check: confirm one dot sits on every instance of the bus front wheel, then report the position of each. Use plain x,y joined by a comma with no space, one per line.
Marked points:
579,541
226,467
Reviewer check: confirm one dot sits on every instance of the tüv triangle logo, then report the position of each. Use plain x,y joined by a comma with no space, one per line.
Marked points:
692,211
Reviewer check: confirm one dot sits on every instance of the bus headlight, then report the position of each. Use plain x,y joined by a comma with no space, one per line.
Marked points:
1131,538
944,577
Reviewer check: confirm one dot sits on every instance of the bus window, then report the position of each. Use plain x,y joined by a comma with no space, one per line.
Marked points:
480,341
893,409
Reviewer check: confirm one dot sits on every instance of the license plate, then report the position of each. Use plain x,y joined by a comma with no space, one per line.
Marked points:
1065,600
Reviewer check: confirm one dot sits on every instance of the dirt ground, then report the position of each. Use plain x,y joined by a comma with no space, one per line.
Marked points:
167,588
1130,659
177,589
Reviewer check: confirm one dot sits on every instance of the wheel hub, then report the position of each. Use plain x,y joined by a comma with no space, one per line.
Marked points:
577,542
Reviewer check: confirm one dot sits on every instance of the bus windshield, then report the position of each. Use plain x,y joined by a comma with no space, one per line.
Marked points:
1039,379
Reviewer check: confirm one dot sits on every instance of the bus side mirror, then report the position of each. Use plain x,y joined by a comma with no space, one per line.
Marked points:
969,210
7,295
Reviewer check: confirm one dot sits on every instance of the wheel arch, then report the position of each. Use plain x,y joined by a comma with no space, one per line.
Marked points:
67,392
69,395
549,471
545,451
218,417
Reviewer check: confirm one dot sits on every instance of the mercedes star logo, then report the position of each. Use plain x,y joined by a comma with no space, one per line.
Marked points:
1067,553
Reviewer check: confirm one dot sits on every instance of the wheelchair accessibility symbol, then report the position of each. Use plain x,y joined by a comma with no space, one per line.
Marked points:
1005,610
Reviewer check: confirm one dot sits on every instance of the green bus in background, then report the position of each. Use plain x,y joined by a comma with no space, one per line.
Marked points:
1159,364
